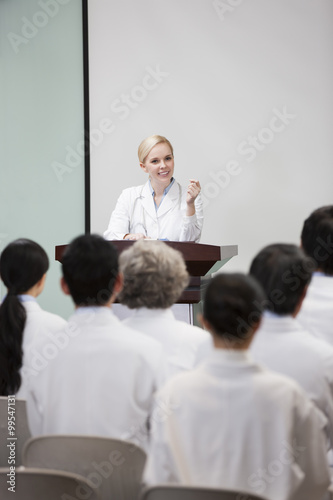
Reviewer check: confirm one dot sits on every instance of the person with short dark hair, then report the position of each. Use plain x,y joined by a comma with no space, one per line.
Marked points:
155,276
281,343
316,314
23,267
102,375
232,424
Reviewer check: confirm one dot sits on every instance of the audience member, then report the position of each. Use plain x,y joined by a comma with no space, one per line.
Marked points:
316,314
282,344
231,423
155,275
102,380
23,267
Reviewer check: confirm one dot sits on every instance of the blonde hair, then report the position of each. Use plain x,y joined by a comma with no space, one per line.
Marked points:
154,275
147,145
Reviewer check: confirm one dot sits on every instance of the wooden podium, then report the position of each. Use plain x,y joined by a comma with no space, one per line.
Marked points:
201,261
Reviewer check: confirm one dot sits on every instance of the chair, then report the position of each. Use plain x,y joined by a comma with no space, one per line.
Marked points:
38,484
114,466
22,431
169,492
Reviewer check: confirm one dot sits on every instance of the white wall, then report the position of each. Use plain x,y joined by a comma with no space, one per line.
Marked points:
41,101
227,72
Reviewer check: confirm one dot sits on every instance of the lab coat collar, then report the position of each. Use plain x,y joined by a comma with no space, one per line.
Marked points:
93,315
170,200
148,201
224,359
273,323
161,314
321,282
31,305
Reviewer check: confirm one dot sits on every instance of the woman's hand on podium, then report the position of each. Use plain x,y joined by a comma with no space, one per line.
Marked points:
135,236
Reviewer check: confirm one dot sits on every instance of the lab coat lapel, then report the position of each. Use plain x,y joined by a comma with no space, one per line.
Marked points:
170,201
148,202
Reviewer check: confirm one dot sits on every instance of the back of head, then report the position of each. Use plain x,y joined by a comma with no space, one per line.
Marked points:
232,306
317,236
284,271
90,268
154,275
147,145
22,264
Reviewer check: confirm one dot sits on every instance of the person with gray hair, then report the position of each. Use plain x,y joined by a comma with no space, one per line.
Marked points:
155,275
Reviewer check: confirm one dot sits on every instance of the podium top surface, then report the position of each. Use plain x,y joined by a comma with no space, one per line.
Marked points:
201,259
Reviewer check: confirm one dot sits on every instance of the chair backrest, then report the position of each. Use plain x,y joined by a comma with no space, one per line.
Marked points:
114,466
21,432
167,492
40,484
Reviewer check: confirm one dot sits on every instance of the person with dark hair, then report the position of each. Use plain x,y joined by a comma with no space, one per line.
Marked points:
316,314
23,267
233,424
102,378
155,276
282,344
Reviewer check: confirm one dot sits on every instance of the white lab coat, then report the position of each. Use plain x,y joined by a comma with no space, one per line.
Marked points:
39,323
98,378
135,212
284,346
316,314
185,346
231,424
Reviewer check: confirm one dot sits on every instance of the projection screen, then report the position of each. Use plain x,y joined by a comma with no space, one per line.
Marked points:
243,90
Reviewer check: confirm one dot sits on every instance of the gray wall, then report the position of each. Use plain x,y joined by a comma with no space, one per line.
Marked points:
41,101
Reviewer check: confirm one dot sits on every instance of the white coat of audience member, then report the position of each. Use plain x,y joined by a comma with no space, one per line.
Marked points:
23,267
316,314
281,343
232,424
102,382
155,276
161,208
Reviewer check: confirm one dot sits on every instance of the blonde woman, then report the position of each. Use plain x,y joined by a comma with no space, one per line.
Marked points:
161,208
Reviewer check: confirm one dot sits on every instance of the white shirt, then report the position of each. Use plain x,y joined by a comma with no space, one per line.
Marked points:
316,314
135,212
284,346
39,324
231,424
185,346
99,381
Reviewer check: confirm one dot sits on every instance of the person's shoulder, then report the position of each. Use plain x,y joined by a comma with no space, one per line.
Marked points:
278,384
183,382
191,332
318,347
132,191
138,340
45,318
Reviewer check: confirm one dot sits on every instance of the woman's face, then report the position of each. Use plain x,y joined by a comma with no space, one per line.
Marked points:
159,164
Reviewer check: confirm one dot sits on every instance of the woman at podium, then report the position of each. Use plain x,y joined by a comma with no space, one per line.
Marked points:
161,208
